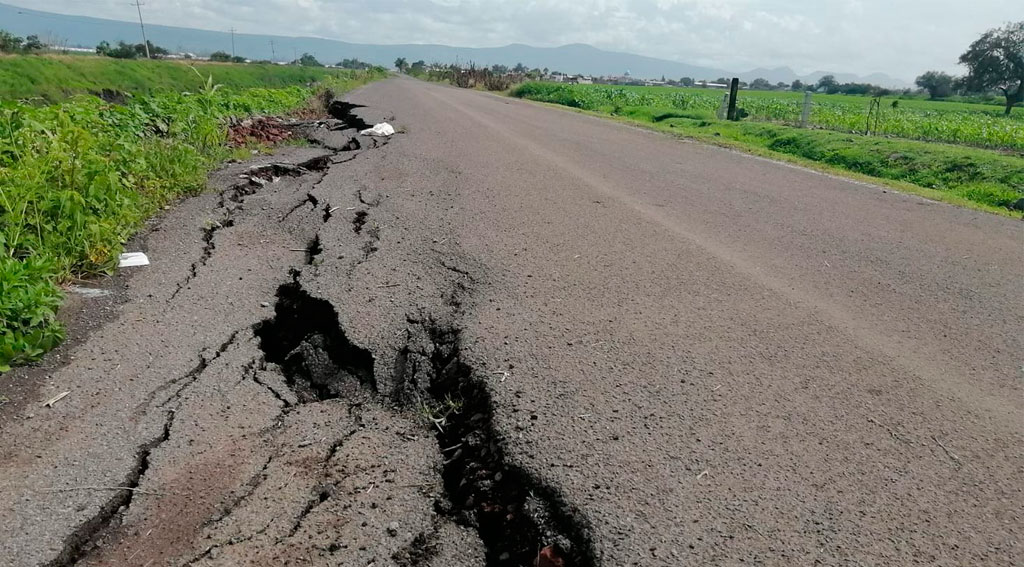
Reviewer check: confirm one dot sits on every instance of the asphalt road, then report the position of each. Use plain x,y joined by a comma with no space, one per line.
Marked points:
689,355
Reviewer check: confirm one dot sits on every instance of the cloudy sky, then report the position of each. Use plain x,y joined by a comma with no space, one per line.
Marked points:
899,37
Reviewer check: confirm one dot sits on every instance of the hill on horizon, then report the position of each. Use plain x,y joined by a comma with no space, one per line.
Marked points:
573,58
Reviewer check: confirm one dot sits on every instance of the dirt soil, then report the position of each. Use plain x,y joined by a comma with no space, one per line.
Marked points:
516,336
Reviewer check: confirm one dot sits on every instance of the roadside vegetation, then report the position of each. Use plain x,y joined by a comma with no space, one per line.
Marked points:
960,152
954,123
991,178
53,78
78,178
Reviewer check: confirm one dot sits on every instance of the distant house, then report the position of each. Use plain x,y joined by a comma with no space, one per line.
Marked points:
579,80
705,84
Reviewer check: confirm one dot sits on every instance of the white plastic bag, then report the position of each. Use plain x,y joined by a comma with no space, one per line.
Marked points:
133,259
382,129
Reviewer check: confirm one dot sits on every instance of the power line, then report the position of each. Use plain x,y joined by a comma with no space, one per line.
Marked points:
138,6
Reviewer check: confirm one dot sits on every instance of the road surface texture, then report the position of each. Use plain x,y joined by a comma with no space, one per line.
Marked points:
513,335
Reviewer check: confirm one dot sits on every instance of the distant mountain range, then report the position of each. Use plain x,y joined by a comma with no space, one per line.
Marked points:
574,58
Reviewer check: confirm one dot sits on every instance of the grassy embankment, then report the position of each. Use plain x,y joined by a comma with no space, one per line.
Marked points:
55,78
79,177
990,178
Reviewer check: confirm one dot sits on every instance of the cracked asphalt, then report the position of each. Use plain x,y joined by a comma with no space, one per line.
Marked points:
653,352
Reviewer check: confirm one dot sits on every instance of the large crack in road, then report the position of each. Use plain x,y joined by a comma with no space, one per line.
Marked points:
470,504
436,351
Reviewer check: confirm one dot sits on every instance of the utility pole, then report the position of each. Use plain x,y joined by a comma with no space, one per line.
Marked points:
232,43
273,53
138,6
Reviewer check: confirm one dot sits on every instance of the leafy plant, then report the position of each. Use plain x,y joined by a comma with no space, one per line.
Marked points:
78,178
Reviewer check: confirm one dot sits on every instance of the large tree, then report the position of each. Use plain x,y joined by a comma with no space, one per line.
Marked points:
937,83
401,64
996,61
829,84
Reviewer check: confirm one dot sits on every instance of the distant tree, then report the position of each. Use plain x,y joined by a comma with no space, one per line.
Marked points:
401,64
121,51
546,71
781,86
418,68
520,69
308,60
855,88
220,57
937,83
353,64
686,81
237,59
499,69
996,61
760,84
32,43
829,84
797,85
10,43
723,81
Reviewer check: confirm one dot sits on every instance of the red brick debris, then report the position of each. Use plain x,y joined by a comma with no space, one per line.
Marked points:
268,131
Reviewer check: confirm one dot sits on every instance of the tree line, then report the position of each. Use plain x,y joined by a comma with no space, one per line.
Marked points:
10,43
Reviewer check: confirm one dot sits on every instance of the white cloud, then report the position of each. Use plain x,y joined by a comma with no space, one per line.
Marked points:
900,37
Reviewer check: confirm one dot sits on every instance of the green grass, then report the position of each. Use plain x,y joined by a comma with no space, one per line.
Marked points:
950,122
78,178
974,177
55,78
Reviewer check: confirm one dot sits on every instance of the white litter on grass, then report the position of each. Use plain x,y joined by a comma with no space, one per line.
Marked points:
382,129
133,259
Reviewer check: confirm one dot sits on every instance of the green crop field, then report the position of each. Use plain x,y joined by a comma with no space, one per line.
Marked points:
979,125
964,153
55,78
79,177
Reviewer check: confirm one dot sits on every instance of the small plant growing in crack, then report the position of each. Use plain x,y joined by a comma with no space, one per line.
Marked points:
439,413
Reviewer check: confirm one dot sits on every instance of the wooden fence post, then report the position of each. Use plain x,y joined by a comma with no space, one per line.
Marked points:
733,88
805,116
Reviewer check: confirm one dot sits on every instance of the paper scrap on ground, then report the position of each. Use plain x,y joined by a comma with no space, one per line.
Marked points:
133,259
382,129
89,292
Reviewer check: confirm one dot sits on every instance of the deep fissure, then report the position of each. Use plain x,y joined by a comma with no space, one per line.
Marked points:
305,340
343,111
313,249
514,513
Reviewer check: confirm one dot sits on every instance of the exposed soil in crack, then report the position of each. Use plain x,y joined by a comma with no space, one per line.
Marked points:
343,111
305,340
359,221
313,249
515,514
